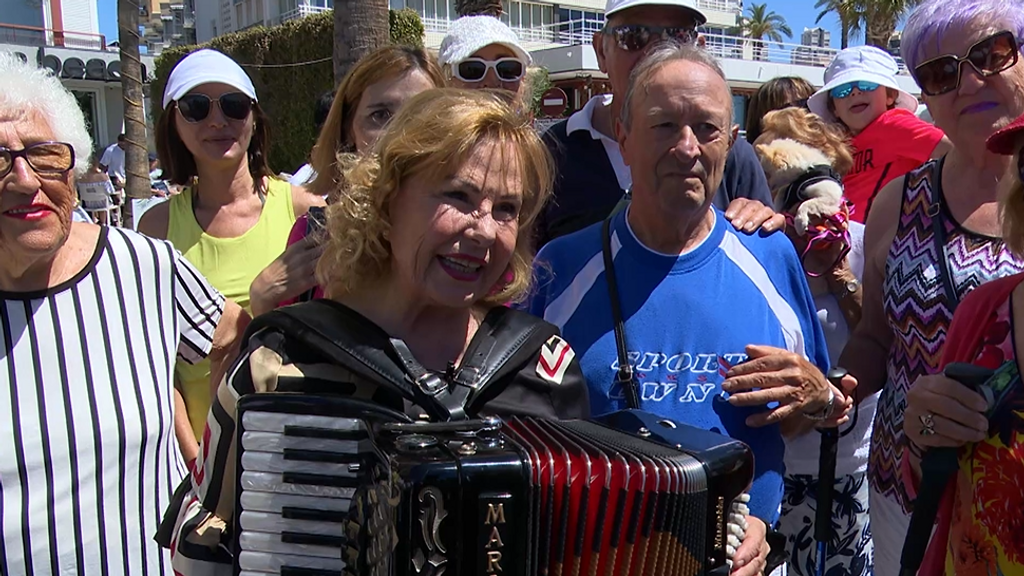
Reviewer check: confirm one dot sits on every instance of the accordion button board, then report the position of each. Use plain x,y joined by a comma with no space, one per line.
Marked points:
328,485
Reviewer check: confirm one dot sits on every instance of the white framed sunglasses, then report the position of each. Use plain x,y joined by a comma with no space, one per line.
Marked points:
507,69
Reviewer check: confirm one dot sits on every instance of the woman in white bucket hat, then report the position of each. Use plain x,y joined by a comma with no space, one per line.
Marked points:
482,52
861,93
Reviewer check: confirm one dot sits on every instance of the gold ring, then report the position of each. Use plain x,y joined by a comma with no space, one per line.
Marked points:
928,424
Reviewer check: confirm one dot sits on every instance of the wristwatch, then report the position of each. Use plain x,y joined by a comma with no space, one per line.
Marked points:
848,289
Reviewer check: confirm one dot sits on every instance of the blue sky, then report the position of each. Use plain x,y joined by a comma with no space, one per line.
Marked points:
108,18
798,13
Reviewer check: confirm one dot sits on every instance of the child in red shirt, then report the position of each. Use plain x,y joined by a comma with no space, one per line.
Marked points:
889,140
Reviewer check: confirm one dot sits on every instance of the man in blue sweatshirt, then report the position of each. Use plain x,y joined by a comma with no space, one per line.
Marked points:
590,174
720,327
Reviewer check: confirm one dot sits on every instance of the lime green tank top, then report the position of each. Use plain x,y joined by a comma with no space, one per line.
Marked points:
230,265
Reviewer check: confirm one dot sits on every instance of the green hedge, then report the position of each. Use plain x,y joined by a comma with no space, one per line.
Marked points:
287,94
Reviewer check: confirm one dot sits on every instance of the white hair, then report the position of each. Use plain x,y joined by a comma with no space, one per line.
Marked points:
25,87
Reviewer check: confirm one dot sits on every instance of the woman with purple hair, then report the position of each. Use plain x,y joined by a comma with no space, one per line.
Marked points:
933,235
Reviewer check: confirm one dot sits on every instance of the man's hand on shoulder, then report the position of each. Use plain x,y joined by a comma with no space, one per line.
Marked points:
747,215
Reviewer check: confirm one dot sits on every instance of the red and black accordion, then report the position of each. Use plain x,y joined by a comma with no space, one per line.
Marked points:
332,486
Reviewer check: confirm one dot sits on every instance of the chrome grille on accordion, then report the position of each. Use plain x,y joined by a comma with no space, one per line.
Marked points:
330,485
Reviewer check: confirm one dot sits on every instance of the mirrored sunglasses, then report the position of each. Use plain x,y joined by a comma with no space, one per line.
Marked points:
474,69
844,90
988,57
634,37
196,107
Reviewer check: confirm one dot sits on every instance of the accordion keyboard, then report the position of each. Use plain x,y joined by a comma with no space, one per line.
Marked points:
297,477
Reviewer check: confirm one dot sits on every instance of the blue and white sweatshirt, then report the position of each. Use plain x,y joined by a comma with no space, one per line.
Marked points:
688,318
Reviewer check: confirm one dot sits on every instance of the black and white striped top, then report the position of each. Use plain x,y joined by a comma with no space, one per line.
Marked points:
88,456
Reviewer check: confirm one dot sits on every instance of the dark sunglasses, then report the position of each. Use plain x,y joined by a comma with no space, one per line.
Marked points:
988,57
196,107
634,37
46,158
474,69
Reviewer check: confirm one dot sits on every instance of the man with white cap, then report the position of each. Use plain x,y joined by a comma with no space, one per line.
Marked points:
591,175
888,138
482,52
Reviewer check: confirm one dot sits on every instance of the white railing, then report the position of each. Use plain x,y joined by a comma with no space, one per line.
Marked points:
568,33
731,6
576,32
301,12
740,48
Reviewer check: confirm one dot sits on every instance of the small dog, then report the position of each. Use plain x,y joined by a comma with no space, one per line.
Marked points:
786,162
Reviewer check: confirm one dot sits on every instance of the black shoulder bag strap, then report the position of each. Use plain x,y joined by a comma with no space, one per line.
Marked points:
625,377
939,236
878,188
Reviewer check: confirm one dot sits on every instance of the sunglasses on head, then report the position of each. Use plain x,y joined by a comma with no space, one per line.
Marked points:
634,37
196,107
988,57
46,158
507,69
844,90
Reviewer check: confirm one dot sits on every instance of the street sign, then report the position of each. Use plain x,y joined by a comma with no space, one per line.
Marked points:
553,102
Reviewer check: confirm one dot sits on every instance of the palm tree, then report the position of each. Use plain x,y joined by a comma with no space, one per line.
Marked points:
880,19
479,7
850,14
136,160
760,24
360,27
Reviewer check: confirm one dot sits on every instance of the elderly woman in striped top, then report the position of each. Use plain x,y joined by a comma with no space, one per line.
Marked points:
91,321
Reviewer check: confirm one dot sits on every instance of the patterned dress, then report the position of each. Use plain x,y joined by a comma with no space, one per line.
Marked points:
919,314
987,528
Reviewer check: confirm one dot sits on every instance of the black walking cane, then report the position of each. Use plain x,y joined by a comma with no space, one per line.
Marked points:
827,476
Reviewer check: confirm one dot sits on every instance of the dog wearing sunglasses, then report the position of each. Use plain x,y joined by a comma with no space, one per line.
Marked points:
804,159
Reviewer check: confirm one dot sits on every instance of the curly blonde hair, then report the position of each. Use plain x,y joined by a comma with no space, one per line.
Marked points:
808,128
428,141
1011,207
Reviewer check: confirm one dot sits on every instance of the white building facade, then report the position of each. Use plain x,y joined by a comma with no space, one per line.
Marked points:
63,36
216,17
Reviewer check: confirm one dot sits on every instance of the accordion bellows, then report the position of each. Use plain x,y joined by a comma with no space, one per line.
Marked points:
327,486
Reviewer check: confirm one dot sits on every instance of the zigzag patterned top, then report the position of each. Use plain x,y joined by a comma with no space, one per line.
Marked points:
918,311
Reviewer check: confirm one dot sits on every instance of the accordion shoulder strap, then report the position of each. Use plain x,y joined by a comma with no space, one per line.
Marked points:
350,339
501,345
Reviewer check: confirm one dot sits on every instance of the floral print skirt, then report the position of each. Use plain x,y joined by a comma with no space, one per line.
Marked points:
850,552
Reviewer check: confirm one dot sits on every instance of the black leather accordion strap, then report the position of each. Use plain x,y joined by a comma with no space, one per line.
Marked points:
625,376
448,394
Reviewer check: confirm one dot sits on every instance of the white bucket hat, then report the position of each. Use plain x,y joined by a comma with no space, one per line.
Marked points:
864,64
470,33
613,6
206,67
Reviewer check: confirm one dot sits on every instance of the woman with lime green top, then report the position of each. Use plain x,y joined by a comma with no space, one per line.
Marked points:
233,217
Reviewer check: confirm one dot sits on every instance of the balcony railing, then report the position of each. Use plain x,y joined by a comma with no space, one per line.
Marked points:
576,32
739,48
568,33
302,12
31,36
730,6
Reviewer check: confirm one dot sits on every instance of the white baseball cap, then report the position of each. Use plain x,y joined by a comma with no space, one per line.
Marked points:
206,67
470,33
863,64
613,6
